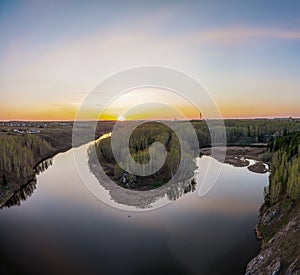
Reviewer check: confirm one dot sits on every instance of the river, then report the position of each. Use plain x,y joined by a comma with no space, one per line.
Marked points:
63,229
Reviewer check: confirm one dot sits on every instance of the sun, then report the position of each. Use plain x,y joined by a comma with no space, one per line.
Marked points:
121,118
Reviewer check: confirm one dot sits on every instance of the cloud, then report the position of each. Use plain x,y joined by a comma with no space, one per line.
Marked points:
238,35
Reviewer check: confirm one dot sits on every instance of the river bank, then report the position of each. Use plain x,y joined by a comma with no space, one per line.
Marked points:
279,231
278,228
59,139
239,156
279,222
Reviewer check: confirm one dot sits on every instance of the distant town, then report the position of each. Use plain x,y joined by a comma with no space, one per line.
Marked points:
31,127
37,124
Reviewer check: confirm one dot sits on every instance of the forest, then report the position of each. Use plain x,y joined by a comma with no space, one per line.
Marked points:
244,132
239,132
285,169
19,154
140,141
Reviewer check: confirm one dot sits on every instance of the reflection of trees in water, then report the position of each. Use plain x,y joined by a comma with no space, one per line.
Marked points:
27,190
180,189
43,166
140,199
22,194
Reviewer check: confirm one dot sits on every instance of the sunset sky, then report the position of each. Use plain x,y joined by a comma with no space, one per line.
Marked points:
53,53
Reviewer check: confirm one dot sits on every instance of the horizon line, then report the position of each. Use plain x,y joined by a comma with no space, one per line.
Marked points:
191,119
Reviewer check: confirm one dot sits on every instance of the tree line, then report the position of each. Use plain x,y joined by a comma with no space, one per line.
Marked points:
139,143
285,169
246,131
238,132
18,155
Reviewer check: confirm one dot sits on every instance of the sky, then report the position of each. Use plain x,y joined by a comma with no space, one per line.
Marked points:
54,53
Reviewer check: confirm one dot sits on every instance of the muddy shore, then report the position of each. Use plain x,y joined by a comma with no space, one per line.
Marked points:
238,156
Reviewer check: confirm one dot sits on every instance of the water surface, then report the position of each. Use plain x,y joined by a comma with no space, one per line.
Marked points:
63,229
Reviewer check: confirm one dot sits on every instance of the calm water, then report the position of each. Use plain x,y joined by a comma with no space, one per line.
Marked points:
63,229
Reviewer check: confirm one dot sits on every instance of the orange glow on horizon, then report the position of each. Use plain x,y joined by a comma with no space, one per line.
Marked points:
69,112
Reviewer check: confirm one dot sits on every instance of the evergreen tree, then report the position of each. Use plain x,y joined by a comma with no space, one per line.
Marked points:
4,180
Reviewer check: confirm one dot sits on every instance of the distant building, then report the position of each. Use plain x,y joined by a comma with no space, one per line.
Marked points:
33,131
19,131
28,131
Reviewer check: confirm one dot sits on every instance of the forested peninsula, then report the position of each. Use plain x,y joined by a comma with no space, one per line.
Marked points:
245,139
